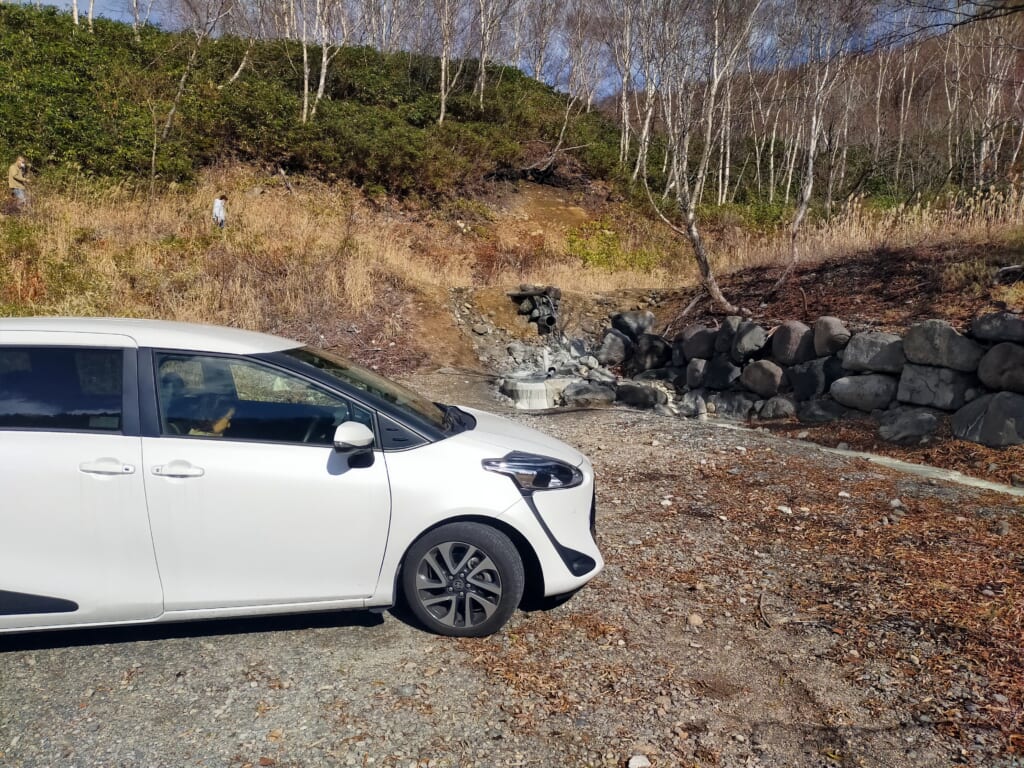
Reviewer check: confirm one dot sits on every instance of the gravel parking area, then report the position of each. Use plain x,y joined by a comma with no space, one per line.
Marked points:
764,603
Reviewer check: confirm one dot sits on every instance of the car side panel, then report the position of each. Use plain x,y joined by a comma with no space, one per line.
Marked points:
71,535
444,481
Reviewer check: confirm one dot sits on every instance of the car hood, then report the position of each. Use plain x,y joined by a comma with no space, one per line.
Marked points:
507,436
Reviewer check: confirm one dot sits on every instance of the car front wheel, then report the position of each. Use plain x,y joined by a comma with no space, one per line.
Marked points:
463,580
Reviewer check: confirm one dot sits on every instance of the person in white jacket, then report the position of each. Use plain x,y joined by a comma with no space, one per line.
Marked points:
220,211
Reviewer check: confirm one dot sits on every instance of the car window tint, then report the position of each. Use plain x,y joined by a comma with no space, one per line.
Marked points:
241,399
61,388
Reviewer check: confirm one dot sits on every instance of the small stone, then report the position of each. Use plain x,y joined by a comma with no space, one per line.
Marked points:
844,495
843,446
639,761
1002,528
895,503
739,737
803,435
481,330
784,509
695,620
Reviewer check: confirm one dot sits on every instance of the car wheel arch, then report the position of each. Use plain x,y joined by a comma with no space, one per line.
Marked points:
534,590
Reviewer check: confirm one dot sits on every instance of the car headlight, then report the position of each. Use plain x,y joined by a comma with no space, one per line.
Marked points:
531,472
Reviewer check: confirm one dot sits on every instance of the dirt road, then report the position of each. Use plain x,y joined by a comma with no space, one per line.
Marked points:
764,603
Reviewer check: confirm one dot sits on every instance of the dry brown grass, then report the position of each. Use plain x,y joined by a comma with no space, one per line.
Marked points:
974,216
320,255
117,252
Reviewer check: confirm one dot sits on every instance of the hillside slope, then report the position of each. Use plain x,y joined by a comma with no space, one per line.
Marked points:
97,103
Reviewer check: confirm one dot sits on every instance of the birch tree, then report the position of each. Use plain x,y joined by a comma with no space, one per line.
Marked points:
490,16
451,18
827,28
333,28
710,45
203,17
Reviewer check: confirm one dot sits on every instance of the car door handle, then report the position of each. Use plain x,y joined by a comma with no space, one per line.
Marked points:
106,466
178,468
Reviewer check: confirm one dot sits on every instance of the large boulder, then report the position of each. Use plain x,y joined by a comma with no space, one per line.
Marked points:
867,392
699,342
994,420
678,352
649,352
1002,368
763,377
669,373
723,341
778,407
601,376
695,372
693,404
941,388
874,352
615,348
720,373
814,378
999,326
820,411
633,324
731,405
792,343
909,426
640,395
588,394
937,343
830,335
750,339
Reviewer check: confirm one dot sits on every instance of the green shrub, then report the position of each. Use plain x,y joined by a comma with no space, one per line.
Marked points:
92,105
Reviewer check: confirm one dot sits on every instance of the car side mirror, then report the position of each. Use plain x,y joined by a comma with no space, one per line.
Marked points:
353,437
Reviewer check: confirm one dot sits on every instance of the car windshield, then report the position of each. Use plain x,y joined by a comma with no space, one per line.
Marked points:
378,386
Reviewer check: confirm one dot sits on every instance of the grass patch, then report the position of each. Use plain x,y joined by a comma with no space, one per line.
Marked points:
598,244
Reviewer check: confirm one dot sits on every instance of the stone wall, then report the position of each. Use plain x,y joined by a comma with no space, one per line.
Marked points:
742,370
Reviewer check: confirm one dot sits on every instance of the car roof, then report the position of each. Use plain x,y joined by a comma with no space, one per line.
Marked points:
162,334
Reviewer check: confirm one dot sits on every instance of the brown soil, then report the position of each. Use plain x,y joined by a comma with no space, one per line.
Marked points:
885,289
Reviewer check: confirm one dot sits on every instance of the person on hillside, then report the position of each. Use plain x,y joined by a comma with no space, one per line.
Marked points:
220,211
17,181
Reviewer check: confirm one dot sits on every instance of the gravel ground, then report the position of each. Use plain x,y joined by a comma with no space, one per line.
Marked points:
753,613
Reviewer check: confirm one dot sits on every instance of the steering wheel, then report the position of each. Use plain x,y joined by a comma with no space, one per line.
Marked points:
321,427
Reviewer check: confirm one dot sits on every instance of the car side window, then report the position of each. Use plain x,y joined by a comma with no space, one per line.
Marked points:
58,388
241,399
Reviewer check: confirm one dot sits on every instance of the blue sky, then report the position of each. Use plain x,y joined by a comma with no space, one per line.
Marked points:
119,10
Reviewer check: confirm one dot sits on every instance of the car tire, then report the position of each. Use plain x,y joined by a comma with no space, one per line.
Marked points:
463,580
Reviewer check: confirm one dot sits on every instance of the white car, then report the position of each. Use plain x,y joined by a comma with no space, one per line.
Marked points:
155,471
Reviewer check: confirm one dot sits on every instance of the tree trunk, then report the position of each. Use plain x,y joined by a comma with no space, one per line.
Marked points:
193,55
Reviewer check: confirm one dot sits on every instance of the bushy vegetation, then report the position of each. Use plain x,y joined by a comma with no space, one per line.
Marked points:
94,104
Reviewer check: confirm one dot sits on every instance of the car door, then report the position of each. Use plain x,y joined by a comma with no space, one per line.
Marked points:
75,545
249,502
